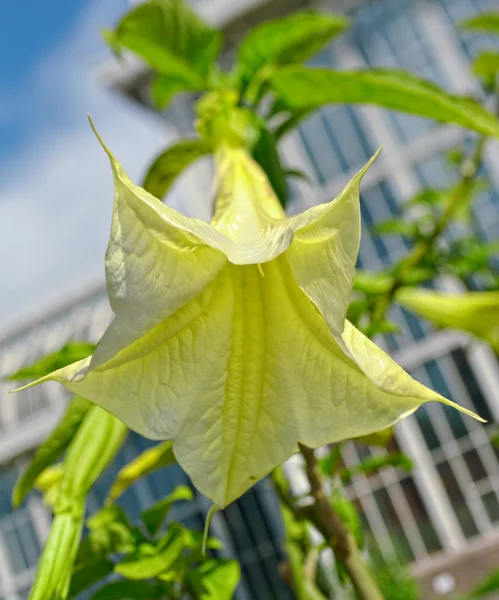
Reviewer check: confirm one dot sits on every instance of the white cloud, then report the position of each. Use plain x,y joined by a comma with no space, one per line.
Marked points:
56,195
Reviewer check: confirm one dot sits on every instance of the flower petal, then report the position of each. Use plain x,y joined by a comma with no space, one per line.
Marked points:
242,373
324,251
154,263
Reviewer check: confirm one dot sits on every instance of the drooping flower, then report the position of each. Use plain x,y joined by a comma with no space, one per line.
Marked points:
230,338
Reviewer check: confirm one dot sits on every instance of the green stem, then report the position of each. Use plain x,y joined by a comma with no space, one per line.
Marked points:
335,533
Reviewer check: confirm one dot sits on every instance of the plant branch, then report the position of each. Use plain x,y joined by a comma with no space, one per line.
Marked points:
335,533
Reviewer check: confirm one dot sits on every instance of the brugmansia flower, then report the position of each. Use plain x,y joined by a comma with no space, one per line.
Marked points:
475,312
230,338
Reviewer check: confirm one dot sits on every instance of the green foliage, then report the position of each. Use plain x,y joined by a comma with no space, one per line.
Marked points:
486,587
170,163
347,512
288,40
214,579
171,39
267,156
124,590
376,463
69,353
487,22
52,448
164,568
396,581
155,515
149,461
486,66
305,88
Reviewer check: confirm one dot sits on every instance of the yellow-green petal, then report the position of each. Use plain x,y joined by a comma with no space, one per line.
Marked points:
324,251
242,373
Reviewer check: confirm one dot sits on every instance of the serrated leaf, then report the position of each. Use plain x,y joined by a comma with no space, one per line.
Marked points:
267,156
171,38
155,515
487,22
149,461
52,448
139,566
56,360
214,579
474,312
125,590
305,88
374,464
287,40
168,165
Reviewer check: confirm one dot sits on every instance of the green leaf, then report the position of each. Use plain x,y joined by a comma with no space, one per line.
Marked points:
305,88
396,227
124,590
487,586
69,353
267,156
52,448
168,165
87,574
141,565
379,438
287,40
155,515
372,283
376,463
111,532
171,38
297,174
329,464
474,312
165,86
431,197
149,461
293,119
486,65
487,22
214,579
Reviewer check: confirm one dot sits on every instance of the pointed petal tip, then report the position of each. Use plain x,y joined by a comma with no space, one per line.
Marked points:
465,411
101,142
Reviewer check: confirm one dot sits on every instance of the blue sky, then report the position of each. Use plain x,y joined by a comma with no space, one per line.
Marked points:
55,182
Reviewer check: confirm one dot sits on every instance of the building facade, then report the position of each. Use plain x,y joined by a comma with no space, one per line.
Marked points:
448,507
